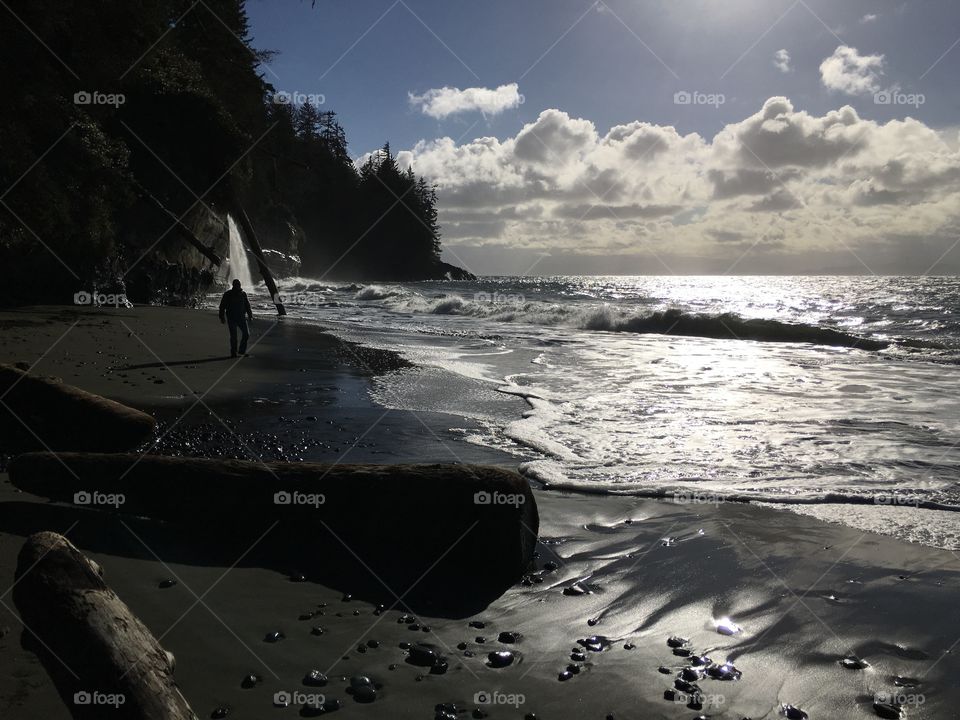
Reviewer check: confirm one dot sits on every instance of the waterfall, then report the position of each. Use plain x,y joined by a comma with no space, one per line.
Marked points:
239,268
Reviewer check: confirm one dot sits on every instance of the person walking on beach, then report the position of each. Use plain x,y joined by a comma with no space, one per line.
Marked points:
234,310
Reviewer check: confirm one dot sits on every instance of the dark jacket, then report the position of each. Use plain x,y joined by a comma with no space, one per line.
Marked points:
235,305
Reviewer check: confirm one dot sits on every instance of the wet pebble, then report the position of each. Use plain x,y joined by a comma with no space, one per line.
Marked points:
316,630
852,662
167,583
509,637
576,589
564,676
315,678
275,636
675,641
888,710
500,658
220,712
250,681
793,713
727,671
479,624
595,643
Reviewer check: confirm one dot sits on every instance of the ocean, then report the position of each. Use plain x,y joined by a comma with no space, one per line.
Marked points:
830,396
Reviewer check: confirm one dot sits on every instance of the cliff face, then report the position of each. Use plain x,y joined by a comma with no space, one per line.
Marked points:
169,271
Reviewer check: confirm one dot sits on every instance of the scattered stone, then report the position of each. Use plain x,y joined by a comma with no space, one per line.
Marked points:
316,630
275,636
509,637
676,641
500,658
888,710
250,681
315,678
167,583
852,662
727,671
793,713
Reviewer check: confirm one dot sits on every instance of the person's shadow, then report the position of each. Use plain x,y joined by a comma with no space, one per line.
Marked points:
173,363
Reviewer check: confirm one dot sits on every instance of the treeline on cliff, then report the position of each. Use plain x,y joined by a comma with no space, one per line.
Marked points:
120,117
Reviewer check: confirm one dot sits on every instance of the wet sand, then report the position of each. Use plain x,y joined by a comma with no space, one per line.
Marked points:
616,577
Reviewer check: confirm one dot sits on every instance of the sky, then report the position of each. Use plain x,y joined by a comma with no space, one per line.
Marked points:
640,137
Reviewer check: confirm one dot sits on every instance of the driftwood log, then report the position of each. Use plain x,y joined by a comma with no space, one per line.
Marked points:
38,412
102,659
459,528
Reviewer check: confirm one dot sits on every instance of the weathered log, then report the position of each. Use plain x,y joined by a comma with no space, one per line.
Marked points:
251,235
38,412
102,658
474,525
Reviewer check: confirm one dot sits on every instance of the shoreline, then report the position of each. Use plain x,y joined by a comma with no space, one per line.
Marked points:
805,593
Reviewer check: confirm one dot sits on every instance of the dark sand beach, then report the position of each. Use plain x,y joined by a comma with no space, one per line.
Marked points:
775,600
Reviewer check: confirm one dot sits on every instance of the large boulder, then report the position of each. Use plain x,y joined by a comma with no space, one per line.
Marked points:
419,528
39,412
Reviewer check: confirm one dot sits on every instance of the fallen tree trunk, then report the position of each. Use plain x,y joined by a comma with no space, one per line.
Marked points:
102,659
186,232
38,412
473,526
251,235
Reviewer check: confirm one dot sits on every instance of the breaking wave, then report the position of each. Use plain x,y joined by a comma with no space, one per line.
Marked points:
608,318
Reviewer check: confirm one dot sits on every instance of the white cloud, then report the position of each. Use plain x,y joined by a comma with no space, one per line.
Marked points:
849,72
781,61
868,18
442,102
795,185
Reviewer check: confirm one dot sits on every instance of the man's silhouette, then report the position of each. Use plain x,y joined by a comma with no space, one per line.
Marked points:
234,310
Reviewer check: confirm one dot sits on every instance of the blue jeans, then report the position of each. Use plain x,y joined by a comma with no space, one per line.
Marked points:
240,325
